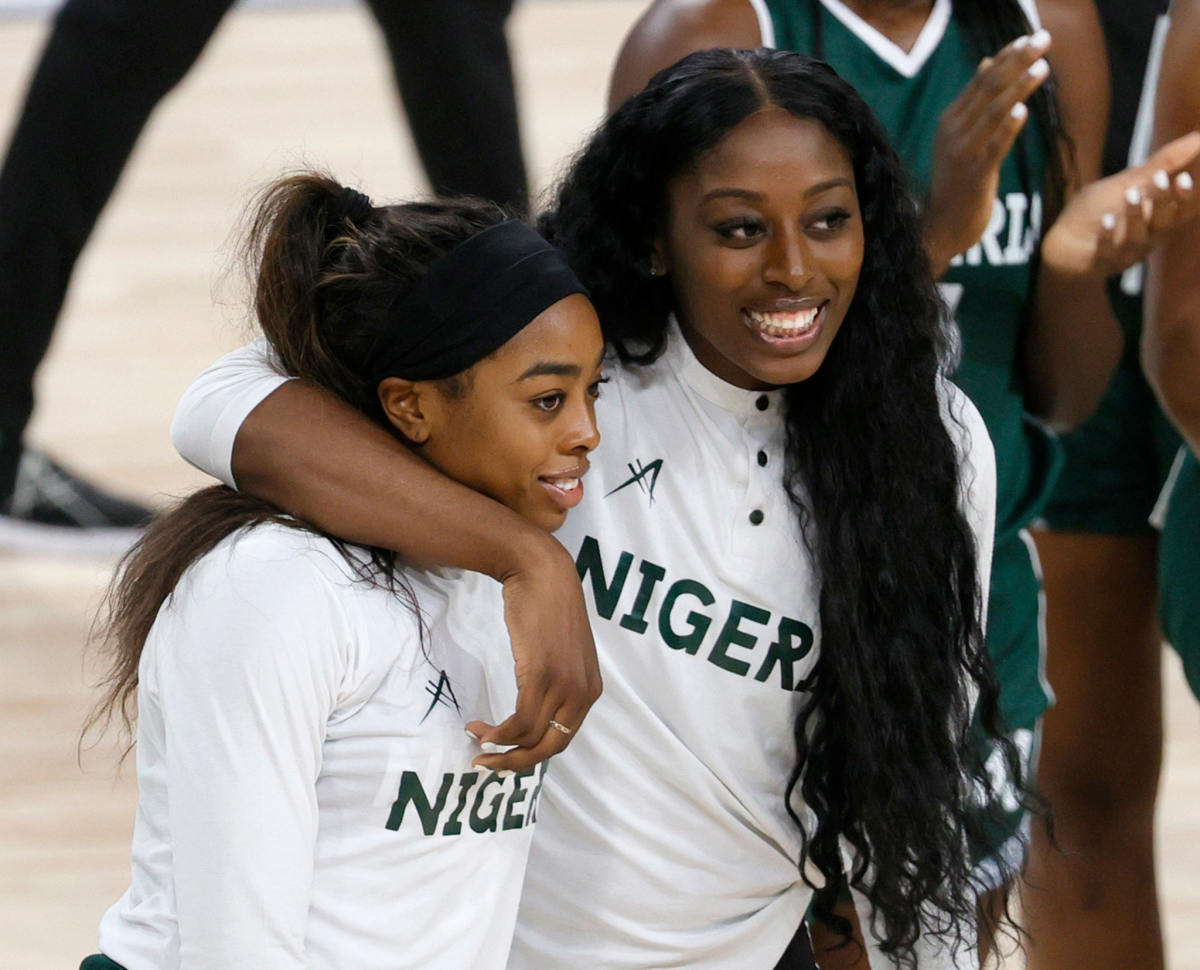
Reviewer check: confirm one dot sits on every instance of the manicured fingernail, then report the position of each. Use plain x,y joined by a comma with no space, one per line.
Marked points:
1184,181
1041,38
1021,43
505,773
490,748
1132,195
1162,180
1039,68
471,734
1019,111
1108,221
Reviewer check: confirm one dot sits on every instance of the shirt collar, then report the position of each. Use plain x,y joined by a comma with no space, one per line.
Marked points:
743,404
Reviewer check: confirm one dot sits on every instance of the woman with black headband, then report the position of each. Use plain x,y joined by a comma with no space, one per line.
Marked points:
312,789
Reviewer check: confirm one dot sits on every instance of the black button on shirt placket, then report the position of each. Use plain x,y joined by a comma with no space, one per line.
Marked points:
762,403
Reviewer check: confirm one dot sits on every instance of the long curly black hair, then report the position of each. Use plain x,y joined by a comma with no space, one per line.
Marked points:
884,757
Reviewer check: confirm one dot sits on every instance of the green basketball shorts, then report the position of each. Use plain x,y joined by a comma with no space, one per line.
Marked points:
1116,462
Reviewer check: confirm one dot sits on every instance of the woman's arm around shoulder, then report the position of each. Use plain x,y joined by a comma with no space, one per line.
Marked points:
672,29
310,453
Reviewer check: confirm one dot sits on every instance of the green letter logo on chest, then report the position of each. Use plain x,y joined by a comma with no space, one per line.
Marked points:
685,629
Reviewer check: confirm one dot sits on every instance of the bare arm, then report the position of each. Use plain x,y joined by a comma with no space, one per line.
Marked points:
1108,225
310,453
1171,337
1073,342
672,29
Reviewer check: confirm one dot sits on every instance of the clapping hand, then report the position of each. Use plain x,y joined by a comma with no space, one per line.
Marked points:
974,136
1113,223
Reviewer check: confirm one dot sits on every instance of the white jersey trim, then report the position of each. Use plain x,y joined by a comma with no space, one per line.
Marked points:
1158,518
1140,142
906,63
1031,14
1036,561
766,26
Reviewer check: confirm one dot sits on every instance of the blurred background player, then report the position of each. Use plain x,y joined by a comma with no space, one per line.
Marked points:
106,65
1096,903
1171,355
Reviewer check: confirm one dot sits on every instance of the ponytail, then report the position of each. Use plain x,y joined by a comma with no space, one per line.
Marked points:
149,572
326,265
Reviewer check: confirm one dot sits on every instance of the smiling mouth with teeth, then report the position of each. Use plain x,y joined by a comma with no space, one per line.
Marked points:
565,492
795,323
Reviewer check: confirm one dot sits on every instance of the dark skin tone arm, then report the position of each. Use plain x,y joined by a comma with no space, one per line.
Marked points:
312,454
1171,336
1073,341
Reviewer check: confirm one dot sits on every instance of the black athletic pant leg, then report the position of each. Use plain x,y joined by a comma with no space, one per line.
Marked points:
798,955
454,72
107,63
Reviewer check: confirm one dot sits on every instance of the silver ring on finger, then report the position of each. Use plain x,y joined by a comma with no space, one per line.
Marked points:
561,728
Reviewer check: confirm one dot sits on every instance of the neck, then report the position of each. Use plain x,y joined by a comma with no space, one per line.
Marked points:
900,21
717,363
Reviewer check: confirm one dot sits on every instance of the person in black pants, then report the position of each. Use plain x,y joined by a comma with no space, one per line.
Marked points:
106,65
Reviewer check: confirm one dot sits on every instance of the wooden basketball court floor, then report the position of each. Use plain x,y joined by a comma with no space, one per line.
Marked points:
151,307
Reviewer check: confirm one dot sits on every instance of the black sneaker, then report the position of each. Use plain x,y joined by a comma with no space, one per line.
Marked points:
53,510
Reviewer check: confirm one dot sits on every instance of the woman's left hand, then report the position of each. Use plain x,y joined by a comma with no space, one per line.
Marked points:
558,675
1113,223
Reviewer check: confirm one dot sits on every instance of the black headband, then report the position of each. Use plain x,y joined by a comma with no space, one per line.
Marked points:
471,302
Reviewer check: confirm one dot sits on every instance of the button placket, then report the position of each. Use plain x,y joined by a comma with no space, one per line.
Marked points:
759,426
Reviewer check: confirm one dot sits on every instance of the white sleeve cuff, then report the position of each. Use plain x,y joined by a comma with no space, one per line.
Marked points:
215,405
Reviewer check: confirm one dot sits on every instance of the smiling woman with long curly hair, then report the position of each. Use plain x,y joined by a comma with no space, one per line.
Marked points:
870,467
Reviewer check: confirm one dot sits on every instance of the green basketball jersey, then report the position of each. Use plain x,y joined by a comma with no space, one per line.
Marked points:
989,286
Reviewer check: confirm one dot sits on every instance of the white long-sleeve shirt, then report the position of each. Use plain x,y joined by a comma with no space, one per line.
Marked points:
306,792
664,840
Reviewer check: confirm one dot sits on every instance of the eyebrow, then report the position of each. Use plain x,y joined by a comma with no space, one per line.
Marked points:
755,196
826,186
554,368
550,368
